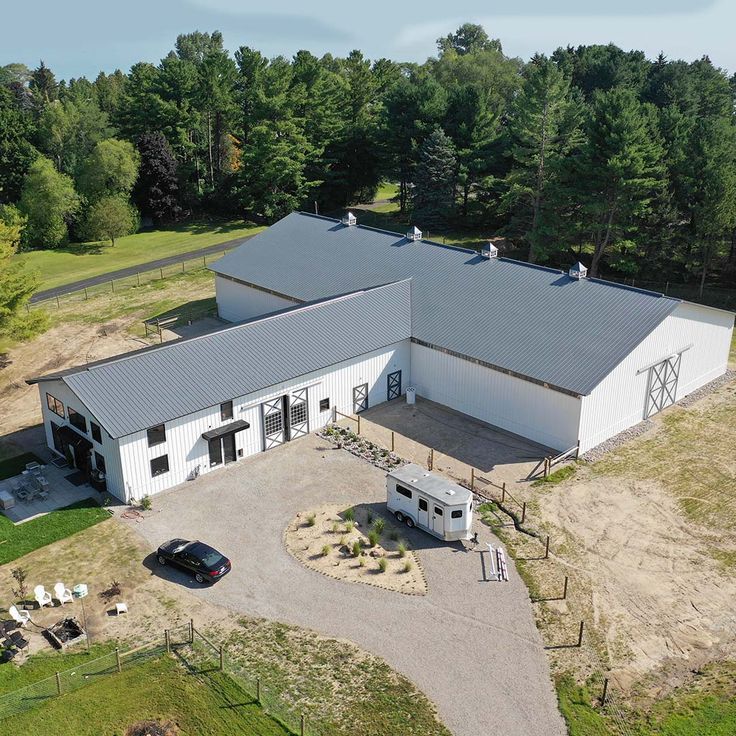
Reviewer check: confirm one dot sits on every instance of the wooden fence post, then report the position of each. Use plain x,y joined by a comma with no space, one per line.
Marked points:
393,440
182,266
472,480
117,660
302,725
580,633
334,413
503,491
167,638
112,285
523,512
258,689
86,297
546,548
564,589
58,684
161,271
138,276
358,423
431,458
191,631
605,692
58,306
222,658
204,261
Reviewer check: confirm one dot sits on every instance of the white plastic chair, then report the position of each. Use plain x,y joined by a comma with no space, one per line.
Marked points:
42,597
20,617
62,593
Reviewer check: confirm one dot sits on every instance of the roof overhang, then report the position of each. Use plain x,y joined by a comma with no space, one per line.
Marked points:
226,429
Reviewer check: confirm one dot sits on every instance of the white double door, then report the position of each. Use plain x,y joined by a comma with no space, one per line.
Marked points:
285,418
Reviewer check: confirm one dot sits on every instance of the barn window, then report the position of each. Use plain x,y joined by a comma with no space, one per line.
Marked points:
55,405
226,410
96,433
298,413
422,504
156,435
457,514
159,465
324,405
77,420
403,491
273,423
99,462
438,511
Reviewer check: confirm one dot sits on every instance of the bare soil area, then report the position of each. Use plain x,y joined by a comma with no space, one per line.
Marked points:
326,529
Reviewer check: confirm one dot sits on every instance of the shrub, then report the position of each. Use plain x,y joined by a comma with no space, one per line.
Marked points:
326,549
361,560
382,564
407,566
335,527
357,549
349,514
342,541
373,537
311,519
146,503
401,549
379,525
20,576
349,526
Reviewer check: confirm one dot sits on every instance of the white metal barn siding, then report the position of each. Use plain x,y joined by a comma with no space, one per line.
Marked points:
237,301
187,450
525,408
618,402
109,447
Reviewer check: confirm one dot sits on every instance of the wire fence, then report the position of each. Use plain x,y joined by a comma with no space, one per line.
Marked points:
721,297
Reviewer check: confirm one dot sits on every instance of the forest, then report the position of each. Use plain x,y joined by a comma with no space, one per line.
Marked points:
594,152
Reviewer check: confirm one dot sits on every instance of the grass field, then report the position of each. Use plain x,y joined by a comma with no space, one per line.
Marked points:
16,541
84,260
209,704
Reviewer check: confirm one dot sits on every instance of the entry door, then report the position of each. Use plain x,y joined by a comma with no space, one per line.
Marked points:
298,414
228,448
438,520
360,398
273,423
394,385
423,512
662,385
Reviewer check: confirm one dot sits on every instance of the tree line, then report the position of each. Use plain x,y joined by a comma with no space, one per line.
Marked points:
596,152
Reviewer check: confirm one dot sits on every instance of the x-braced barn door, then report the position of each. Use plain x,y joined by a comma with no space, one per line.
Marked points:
298,414
360,398
273,423
394,385
662,389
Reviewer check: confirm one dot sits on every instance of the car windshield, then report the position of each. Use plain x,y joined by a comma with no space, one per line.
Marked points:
209,557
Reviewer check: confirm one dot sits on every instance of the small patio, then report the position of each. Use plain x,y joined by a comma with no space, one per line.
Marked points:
61,487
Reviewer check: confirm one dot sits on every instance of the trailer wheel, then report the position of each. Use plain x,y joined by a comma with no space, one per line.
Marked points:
410,522
399,517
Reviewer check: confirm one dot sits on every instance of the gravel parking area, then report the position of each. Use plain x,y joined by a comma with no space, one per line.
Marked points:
470,645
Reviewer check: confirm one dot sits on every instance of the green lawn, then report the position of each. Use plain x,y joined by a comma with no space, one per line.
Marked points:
200,705
84,260
16,541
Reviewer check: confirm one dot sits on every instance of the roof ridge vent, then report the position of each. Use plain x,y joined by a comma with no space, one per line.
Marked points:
348,219
489,251
578,271
414,233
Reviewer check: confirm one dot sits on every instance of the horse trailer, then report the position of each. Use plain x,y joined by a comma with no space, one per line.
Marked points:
430,502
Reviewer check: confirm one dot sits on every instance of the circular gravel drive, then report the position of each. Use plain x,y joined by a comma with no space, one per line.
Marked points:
469,644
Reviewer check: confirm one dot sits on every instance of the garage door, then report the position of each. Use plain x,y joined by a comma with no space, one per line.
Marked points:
662,390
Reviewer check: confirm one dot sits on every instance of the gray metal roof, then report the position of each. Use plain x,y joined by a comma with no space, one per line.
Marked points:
143,389
531,321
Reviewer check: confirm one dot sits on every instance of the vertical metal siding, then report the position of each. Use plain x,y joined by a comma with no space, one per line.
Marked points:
618,401
543,415
237,302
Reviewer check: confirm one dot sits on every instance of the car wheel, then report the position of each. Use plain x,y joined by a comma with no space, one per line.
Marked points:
410,522
399,517
161,560
199,577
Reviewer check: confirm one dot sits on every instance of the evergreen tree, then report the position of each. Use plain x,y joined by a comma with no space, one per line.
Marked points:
543,127
49,203
16,152
43,85
434,180
157,188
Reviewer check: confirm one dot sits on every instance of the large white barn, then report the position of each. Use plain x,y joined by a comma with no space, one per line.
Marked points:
328,314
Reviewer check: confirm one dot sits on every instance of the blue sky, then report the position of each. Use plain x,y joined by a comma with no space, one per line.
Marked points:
81,37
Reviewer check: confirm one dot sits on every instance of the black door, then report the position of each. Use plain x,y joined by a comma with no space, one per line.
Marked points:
394,385
215,451
228,448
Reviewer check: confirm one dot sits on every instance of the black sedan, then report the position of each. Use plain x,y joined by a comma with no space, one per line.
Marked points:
205,562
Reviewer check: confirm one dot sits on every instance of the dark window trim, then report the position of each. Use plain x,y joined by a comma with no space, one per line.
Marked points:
73,412
156,473
98,457
51,399
158,442
324,404
457,514
96,435
403,491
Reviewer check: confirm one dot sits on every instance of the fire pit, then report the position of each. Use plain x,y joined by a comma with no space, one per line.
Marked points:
65,633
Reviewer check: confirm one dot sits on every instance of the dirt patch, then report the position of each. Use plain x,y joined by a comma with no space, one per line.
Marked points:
325,541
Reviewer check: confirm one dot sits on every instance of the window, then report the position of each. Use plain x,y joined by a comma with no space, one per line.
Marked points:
272,423
55,405
298,413
457,514
159,465
437,511
99,462
77,420
324,405
58,444
226,410
96,433
157,435
422,504
403,491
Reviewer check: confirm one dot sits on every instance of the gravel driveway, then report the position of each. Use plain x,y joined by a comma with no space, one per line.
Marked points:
470,645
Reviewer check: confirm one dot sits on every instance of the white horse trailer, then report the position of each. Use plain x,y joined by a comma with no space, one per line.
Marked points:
432,503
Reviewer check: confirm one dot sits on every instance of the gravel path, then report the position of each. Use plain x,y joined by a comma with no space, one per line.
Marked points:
470,645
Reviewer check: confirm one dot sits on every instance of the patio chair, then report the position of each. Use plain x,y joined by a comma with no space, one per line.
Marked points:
42,597
20,617
62,593
33,467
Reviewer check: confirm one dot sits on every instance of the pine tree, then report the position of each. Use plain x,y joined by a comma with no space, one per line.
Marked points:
543,128
434,180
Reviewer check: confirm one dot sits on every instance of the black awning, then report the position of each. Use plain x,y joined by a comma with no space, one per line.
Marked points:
231,428
73,438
